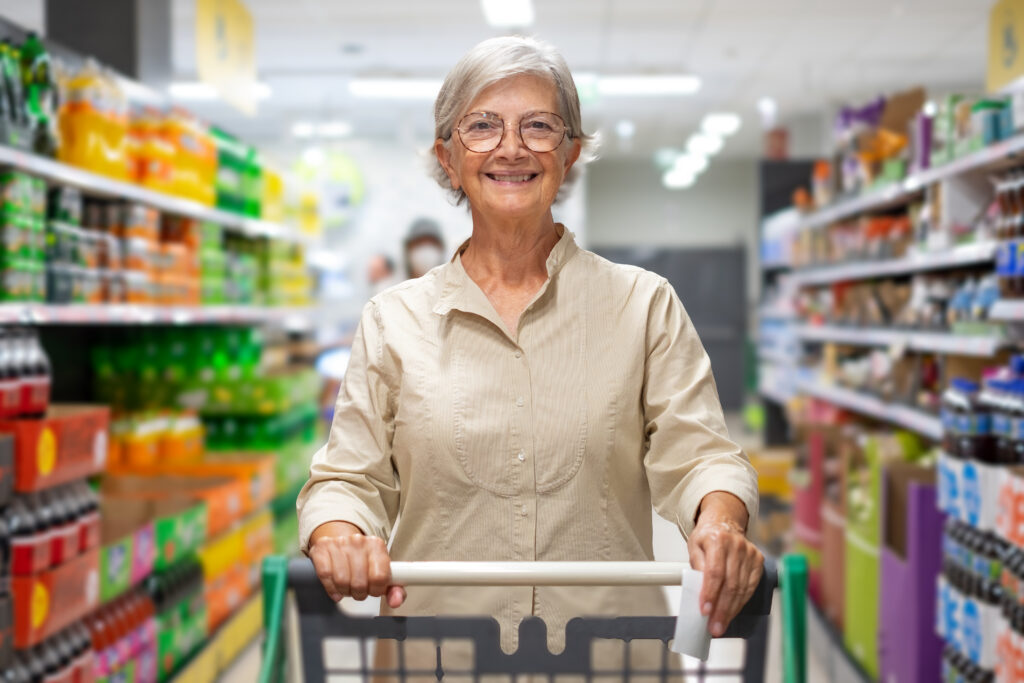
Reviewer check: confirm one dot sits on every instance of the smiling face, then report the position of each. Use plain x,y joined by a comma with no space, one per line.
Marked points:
510,181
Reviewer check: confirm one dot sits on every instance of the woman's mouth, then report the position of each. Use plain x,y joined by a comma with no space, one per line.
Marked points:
507,178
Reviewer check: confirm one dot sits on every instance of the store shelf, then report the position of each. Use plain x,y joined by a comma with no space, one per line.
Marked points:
775,394
776,358
93,183
901,192
225,644
933,342
776,313
965,255
131,314
913,420
1007,309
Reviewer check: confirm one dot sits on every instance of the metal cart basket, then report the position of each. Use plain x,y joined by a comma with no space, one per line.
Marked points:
319,618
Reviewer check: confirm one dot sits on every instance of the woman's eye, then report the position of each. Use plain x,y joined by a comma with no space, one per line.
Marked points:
542,126
482,126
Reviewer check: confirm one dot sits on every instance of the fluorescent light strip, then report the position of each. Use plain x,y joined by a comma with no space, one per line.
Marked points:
508,13
626,86
196,91
395,88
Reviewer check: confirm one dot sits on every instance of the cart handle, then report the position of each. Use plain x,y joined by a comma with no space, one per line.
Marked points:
537,573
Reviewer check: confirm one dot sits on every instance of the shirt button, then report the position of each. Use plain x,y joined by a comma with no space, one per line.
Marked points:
519,354
521,456
520,402
524,509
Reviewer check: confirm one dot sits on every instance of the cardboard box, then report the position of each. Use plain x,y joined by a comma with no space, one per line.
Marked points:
126,561
909,648
178,525
46,603
232,485
68,444
223,498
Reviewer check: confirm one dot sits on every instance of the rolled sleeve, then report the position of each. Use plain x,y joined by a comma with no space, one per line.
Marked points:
689,453
352,479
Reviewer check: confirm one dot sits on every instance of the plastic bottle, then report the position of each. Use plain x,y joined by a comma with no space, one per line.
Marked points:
37,378
10,389
23,530
970,424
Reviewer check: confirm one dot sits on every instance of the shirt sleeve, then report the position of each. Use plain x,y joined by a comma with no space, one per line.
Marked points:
689,453
352,478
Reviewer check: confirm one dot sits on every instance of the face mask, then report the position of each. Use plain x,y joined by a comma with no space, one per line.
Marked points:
425,257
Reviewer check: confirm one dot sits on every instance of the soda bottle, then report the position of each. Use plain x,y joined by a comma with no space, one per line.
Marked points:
40,94
38,377
10,389
23,532
46,528
17,672
11,83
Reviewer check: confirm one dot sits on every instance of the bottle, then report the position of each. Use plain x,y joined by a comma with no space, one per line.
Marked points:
23,532
37,375
40,95
10,396
12,83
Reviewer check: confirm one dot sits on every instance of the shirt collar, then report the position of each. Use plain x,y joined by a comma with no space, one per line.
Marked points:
459,292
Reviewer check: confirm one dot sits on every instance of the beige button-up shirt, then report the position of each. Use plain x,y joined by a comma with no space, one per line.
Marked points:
549,442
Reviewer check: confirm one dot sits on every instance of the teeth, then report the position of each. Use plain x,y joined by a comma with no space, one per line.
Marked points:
513,178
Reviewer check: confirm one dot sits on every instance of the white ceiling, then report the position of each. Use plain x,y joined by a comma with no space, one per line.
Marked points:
810,55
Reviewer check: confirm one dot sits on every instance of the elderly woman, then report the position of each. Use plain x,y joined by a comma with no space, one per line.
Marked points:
528,400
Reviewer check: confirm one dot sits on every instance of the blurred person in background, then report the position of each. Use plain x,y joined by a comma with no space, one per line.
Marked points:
528,400
424,247
380,273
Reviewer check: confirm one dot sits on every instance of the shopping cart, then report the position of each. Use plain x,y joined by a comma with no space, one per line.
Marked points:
318,618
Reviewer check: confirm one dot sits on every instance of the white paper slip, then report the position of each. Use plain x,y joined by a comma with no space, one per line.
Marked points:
692,637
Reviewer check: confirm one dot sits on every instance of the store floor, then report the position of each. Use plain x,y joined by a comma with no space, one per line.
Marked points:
668,547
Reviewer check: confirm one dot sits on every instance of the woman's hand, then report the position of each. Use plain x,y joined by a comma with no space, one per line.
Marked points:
351,564
732,565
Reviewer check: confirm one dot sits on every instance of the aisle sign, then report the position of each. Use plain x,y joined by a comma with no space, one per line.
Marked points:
1006,46
225,52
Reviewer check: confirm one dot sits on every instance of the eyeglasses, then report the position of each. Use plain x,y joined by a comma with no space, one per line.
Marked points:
483,131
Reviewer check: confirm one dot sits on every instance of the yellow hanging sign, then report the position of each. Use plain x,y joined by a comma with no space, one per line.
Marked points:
225,51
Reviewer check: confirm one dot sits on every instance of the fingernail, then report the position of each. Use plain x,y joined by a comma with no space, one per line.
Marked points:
717,629
705,609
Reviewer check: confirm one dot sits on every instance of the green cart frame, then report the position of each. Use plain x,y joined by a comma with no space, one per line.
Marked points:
319,618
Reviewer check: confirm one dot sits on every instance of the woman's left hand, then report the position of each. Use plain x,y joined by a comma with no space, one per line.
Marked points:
732,565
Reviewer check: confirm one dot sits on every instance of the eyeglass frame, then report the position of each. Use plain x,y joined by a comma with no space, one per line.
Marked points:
519,130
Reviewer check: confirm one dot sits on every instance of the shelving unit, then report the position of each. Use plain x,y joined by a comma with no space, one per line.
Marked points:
990,158
966,255
132,314
919,422
932,342
57,172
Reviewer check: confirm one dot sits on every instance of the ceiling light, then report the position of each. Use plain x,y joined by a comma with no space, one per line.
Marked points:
508,13
335,129
721,124
665,157
624,86
675,179
303,129
704,145
625,129
930,108
196,91
690,163
768,109
395,88
314,156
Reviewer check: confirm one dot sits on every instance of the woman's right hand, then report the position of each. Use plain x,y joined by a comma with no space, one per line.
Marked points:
350,564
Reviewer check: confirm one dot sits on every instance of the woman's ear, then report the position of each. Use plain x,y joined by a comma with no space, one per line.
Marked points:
573,155
444,157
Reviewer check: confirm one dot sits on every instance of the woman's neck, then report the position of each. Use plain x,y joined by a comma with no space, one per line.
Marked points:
509,253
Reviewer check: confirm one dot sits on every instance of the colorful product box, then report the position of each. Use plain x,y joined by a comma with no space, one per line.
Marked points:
125,562
46,603
68,444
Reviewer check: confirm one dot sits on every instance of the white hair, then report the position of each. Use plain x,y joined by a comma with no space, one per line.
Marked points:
495,60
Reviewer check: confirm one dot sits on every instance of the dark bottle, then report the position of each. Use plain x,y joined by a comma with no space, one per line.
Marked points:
5,546
23,532
10,387
50,660
17,672
36,381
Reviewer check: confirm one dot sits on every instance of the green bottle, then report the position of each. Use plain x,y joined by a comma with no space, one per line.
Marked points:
40,92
